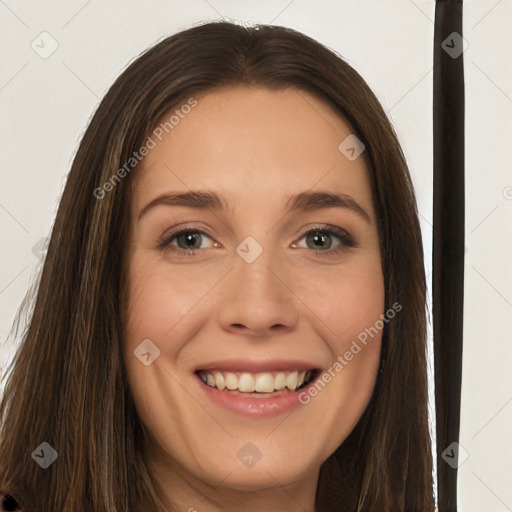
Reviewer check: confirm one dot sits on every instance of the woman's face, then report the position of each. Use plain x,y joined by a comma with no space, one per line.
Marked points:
271,283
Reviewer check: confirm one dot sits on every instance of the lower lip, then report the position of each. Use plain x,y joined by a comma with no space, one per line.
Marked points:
253,406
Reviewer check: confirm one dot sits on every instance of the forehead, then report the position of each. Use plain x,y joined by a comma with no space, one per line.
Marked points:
250,143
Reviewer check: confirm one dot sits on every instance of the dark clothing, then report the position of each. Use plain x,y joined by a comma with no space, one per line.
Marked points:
8,503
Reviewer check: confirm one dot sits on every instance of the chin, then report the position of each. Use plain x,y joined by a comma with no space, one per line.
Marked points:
279,469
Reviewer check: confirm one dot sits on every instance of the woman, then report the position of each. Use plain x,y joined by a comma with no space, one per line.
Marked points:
231,314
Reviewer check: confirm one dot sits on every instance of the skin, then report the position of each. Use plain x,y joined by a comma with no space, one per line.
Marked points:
254,147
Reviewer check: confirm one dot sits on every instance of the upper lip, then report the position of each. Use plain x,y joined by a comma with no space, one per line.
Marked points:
255,366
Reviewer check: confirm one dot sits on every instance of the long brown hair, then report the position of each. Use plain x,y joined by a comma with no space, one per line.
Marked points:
68,385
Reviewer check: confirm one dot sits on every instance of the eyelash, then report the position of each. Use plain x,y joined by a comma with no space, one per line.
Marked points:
346,240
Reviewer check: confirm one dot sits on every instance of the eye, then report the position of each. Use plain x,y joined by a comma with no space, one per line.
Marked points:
320,239
187,241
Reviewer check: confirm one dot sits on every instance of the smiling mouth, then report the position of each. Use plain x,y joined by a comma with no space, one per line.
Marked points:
257,384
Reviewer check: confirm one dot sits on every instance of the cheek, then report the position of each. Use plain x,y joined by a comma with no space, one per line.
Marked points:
360,303
153,309
352,309
359,313
159,301
347,300
165,306
158,307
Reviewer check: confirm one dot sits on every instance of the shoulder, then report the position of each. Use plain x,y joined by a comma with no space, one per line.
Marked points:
8,503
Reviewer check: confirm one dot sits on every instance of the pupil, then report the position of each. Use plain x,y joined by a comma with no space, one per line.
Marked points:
189,238
317,237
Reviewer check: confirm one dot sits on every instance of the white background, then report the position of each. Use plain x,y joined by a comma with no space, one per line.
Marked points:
46,104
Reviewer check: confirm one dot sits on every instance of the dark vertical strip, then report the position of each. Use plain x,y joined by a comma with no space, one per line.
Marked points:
448,241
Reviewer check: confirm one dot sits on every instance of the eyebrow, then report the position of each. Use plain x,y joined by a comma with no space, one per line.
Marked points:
303,202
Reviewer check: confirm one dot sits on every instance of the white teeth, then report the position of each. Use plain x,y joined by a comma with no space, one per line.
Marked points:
219,381
292,381
246,382
231,380
280,381
265,383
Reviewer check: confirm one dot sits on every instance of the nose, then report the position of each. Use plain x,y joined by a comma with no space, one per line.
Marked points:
258,299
